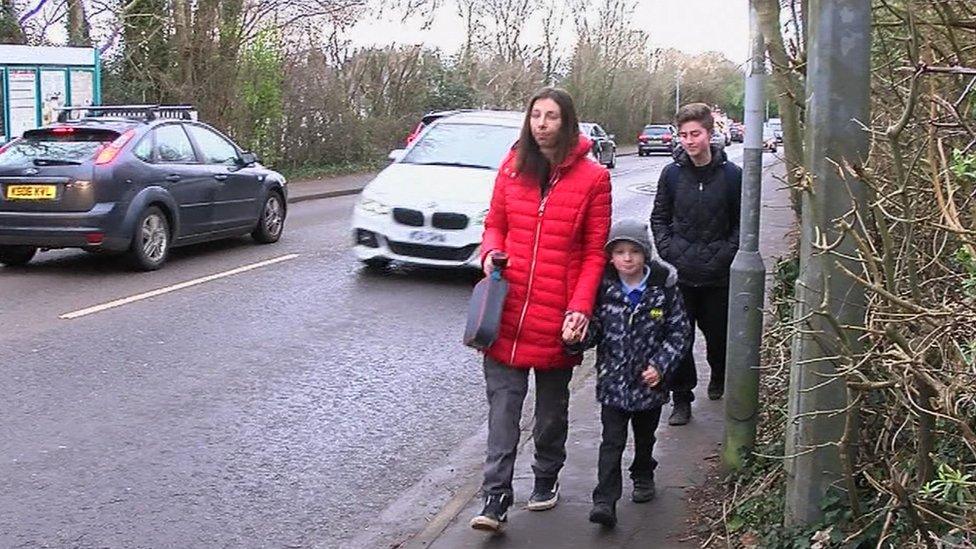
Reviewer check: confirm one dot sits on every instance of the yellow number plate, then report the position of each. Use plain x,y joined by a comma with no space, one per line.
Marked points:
32,192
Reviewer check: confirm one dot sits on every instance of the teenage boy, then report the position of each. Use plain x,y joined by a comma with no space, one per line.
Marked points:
695,223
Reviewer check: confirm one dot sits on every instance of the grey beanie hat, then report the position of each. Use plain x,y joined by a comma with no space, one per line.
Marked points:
632,230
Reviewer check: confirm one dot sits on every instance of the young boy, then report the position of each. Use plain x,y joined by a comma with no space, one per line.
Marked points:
641,332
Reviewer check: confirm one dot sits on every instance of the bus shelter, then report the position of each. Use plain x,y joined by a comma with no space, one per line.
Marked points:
36,81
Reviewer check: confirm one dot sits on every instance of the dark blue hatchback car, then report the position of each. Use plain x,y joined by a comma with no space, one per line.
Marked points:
132,179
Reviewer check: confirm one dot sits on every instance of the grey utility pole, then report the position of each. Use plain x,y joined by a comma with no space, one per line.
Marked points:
748,276
677,90
837,96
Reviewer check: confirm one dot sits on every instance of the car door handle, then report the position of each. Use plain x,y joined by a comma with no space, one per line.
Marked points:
173,178
220,177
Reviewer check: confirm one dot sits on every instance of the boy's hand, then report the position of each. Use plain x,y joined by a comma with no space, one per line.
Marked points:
651,376
571,336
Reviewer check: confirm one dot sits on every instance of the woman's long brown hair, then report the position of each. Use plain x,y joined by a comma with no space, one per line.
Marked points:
530,158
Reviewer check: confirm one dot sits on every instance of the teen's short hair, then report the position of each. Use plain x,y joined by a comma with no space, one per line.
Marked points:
695,112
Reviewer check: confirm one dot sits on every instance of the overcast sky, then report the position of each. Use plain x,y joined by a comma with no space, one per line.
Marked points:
693,26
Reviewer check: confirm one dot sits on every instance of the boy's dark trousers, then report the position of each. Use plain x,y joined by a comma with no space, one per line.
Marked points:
707,307
615,421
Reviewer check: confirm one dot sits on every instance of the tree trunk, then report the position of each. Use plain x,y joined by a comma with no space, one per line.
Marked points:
78,33
789,93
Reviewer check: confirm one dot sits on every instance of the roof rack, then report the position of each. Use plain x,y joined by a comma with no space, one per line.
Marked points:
146,113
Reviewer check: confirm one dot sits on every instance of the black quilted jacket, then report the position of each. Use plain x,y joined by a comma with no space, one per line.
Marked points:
695,220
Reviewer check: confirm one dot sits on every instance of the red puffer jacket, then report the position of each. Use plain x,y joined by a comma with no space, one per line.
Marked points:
556,257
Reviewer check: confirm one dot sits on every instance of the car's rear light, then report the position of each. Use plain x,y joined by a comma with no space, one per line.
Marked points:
109,153
61,130
666,137
7,145
94,239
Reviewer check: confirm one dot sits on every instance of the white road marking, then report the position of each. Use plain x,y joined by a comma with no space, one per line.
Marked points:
168,289
649,189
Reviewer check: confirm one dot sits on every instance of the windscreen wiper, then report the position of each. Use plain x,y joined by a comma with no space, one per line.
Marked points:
455,165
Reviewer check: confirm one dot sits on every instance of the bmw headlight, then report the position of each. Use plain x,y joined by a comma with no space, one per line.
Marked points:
480,218
374,207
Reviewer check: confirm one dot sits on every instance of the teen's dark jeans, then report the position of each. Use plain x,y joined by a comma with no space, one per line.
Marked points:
708,308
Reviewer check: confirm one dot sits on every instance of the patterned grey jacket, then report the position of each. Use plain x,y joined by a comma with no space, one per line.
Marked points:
629,339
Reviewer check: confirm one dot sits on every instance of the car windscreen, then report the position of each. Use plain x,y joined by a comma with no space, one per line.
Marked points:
464,145
656,130
46,147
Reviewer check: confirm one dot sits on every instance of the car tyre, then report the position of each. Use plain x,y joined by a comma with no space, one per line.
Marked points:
377,264
271,223
15,256
613,161
150,241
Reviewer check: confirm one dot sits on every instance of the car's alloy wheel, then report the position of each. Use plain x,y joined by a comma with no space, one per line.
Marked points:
150,244
272,220
13,256
155,238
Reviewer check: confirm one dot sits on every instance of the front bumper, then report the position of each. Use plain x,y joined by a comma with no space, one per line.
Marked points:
376,236
99,227
654,147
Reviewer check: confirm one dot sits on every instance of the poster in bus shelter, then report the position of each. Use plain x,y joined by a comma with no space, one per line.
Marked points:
22,100
53,95
82,88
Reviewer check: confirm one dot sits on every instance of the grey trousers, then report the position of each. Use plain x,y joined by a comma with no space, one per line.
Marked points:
506,389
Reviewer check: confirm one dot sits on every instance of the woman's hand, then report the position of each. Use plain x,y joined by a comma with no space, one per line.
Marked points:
651,376
575,323
489,265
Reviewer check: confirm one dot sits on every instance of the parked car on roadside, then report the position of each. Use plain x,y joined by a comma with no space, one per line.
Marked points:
718,138
769,140
737,132
426,120
133,179
428,207
604,146
776,125
656,138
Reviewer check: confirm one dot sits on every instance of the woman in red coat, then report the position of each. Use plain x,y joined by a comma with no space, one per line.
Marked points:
550,212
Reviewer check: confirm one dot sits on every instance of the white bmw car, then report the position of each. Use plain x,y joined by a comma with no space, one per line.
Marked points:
429,206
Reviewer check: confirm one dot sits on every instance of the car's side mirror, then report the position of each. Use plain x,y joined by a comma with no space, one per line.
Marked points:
248,158
396,154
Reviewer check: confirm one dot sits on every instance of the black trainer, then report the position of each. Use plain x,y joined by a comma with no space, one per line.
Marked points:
494,513
605,514
681,413
716,388
544,496
644,490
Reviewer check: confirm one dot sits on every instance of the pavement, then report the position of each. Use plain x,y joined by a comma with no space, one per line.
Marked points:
685,455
